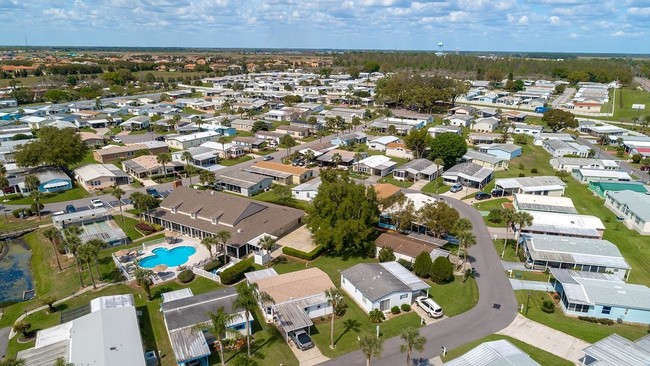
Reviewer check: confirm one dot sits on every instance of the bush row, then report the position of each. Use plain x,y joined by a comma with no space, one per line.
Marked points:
591,319
236,273
303,255
214,264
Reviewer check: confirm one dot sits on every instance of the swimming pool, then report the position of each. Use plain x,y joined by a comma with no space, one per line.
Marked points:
174,257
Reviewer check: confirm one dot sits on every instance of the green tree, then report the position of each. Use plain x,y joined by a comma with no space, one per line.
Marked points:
557,119
466,239
412,341
438,217
223,236
22,327
71,243
376,316
219,328
343,214
248,299
392,130
118,193
207,177
422,265
187,157
267,243
32,182
386,254
371,347
97,245
521,219
442,271
259,125
36,196
49,301
418,141
449,147
356,121
144,279
85,254
60,147
53,235
143,202
462,224
164,159
12,361
562,174
287,142
209,242
334,299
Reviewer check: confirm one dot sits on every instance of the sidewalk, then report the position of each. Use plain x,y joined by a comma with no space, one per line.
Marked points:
417,186
546,338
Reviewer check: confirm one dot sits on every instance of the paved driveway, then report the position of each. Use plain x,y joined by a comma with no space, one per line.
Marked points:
310,357
530,285
299,239
4,340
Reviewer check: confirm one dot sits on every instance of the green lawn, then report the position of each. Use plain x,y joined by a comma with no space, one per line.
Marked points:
69,195
509,255
231,162
436,187
455,297
271,197
624,99
589,332
330,264
88,159
127,225
491,204
395,182
541,356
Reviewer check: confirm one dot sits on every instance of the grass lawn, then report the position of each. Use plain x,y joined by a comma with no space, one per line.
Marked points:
436,187
271,197
127,225
231,162
541,356
509,255
395,182
331,265
69,195
88,159
491,204
589,332
455,297
624,99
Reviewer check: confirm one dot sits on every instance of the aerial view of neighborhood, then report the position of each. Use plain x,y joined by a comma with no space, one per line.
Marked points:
283,183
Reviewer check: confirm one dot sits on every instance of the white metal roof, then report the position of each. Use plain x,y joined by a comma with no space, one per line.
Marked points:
495,353
618,351
404,275
176,295
110,302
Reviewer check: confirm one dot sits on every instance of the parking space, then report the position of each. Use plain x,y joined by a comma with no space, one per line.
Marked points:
425,317
310,357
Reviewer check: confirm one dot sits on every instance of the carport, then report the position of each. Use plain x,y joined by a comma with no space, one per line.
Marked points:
290,317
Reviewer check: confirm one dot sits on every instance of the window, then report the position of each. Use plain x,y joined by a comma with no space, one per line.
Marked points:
403,296
606,310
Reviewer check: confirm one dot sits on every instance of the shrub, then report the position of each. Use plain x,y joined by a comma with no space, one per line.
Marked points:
315,253
386,254
495,216
406,264
548,306
16,212
341,308
376,316
395,310
144,227
211,266
185,276
592,319
35,209
422,265
522,175
442,271
236,273
406,308
534,170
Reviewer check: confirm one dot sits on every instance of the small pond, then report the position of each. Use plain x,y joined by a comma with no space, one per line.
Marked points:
15,271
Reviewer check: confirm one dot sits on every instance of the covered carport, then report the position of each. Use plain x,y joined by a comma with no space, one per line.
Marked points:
290,317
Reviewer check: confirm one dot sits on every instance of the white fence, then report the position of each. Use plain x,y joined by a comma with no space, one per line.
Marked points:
209,275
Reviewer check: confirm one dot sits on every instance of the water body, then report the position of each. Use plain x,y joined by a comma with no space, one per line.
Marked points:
15,271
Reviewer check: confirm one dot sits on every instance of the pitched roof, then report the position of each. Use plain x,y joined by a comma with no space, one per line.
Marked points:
406,245
295,285
385,190
271,165
377,280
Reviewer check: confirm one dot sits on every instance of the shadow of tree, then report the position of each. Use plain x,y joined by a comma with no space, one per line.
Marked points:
349,325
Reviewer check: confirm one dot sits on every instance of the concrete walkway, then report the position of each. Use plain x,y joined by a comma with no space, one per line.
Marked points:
546,338
530,285
4,341
516,266
310,357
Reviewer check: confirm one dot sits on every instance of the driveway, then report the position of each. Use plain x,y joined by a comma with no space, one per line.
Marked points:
531,285
310,357
424,317
496,308
299,239
4,340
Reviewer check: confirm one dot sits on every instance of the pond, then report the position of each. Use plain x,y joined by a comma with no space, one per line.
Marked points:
15,271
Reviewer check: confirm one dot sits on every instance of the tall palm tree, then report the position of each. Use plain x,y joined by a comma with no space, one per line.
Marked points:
337,159
85,255
412,340
173,122
118,193
309,156
267,243
71,243
248,298
312,121
439,163
521,220
356,121
219,321
371,346
144,279
97,245
137,199
466,239
36,196
186,156
223,236
32,182
209,242
223,140
163,159
52,234
334,299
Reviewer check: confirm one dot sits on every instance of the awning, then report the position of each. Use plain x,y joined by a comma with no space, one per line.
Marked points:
290,317
56,185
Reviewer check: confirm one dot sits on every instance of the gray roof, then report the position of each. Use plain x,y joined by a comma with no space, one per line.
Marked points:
292,317
495,353
188,344
415,166
528,184
469,171
47,355
505,147
376,281
574,250
242,179
637,203
48,173
472,155
618,351
311,185
194,310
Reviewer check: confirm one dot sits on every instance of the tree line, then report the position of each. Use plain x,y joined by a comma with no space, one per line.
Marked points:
422,93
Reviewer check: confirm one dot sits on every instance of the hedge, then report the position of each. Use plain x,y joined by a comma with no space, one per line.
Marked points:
185,276
315,253
592,319
236,273
211,266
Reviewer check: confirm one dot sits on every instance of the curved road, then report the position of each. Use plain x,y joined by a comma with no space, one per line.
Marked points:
496,308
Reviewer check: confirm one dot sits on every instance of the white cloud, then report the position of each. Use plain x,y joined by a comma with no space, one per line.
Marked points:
573,35
555,20
523,20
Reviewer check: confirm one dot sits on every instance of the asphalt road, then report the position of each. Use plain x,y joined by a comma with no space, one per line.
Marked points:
645,83
625,166
561,99
496,309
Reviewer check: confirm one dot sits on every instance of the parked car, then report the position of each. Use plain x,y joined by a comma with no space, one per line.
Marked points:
301,339
498,193
116,139
456,188
429,306
97,203
154,193
70,209
482,196
267,157
160,138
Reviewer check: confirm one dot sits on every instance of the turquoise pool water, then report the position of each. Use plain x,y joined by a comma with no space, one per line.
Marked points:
172,258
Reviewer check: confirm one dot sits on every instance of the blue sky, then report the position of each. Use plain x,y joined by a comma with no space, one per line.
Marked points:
621,26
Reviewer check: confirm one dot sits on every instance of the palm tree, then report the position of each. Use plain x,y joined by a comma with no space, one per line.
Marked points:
521,220
392,130
267,243
248,298
186,156
312,121
97,245
172,122
209,242
222,237
118,193
334,299
223,140
371,346
163,159
199,122
137,199
466,239
32,182
357,159
85,255
309,156
61,362
22,327
635,120
71,243
356,121
36,196
52,234
508,216
412,340
219,321
144,279
12,362
206,177
337,159
645,123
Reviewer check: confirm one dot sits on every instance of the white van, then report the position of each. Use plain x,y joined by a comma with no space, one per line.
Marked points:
429,306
